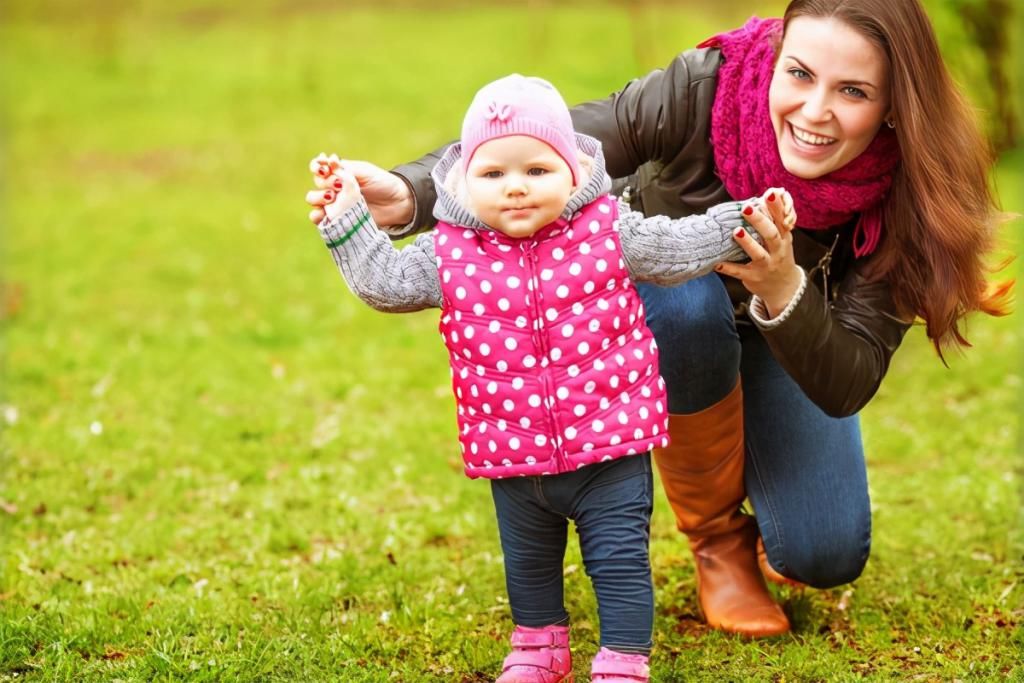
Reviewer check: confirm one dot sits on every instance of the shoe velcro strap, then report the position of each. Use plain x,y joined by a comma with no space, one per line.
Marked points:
536,658
538,639
611,667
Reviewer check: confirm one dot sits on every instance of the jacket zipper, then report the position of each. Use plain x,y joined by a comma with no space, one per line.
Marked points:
540,340
823,265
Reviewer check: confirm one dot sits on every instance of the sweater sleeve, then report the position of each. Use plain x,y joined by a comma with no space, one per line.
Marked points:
387,279
669,251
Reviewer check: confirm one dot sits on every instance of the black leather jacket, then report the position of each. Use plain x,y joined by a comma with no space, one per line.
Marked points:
656,133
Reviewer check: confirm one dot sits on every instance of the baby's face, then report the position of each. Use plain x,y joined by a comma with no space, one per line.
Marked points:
517,184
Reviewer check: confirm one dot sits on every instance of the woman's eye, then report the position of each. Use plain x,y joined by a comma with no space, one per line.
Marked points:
799,74
854,92
537,171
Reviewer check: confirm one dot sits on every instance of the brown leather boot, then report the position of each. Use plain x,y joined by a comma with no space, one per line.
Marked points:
702,472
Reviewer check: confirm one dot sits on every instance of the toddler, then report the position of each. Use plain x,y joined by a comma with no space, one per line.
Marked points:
554,370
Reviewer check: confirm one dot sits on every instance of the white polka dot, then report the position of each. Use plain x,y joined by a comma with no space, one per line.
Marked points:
513,443
534,401
492,388
638,434
657,406
598,426
584,248
613,381
633,376
546,274
521,321
485,286
609,244
475,392
644,413
517,383
508,405
442,239
577,308
529,361
603,208
575,269
562,393
502,425
511,344
624,397
594,325
494,327
601,265
464,373
604,403
455,336
503,304
469,331
599,365
588,447
556,354
470,270
590,386
602,304
623,302
620,359
446,276
524,422
540,440
583,348
638,354
497,266
567,330
573,370
479,309
485,349
456,253
502,365
466,353
623,418
474,448
645,392
530,460
460,292
492,447
557,253
615,440
589,287
513,282
580,410
562,291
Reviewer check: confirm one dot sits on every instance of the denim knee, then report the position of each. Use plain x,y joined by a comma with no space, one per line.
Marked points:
698,346
825,565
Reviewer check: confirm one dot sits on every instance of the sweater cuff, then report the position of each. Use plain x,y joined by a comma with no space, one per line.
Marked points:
758,311
341,229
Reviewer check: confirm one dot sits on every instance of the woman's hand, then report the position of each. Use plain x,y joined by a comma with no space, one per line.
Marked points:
389,199
772,273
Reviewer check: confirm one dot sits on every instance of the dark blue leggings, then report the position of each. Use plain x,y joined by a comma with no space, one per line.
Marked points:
805,472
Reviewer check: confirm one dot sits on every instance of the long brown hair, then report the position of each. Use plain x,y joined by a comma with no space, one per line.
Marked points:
940,216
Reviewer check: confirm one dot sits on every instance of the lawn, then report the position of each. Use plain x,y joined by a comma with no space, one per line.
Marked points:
218,465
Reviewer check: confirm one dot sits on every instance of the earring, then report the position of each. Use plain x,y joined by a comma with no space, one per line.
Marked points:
891,123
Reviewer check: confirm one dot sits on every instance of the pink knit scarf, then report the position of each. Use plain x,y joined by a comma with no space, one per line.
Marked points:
747,153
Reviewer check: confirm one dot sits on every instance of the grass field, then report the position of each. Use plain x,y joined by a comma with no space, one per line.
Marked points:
217,465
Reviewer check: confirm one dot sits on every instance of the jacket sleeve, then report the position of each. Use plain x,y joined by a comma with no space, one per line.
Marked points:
837,353
670,251
650,119
387,279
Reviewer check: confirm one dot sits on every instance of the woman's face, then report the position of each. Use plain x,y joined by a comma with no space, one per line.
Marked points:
828,97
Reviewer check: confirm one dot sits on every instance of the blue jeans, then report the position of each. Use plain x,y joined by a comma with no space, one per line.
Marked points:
611,504
805,474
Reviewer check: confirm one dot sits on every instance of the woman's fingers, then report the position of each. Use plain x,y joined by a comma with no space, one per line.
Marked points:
317,215
764,225
320,197
747,242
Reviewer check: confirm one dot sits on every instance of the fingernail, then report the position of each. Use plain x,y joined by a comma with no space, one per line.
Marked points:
328,196
338,184
740,233
748,210
771,197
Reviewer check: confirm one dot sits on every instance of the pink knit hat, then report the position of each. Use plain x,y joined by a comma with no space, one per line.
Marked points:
520,105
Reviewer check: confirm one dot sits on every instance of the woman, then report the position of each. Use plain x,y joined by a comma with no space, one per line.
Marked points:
849,106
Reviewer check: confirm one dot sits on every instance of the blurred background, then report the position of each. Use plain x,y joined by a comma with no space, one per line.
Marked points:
217,464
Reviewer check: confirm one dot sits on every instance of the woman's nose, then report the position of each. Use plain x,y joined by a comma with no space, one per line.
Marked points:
817,106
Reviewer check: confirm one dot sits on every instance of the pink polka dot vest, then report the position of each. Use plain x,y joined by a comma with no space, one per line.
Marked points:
553,366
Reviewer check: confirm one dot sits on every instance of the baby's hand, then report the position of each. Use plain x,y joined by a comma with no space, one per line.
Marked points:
337,192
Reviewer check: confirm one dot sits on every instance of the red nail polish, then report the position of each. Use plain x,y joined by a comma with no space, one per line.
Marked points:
771,197
748,210
328,196
338,184
740,233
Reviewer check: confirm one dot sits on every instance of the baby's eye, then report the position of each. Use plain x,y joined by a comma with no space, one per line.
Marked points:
537,170
492,174
799,74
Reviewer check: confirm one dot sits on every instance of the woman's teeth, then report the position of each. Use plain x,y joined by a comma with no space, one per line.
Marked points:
810,138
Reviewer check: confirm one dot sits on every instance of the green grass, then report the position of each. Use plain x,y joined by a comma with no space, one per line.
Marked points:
217,465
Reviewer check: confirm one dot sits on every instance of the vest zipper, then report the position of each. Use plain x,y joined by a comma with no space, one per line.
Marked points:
540,340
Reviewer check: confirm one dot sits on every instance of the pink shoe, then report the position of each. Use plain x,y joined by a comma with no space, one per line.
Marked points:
619,667
539,655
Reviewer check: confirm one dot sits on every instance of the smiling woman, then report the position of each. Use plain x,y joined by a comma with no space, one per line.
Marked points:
829,96
849,106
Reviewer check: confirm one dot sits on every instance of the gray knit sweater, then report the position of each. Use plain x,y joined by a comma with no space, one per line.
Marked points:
665,251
